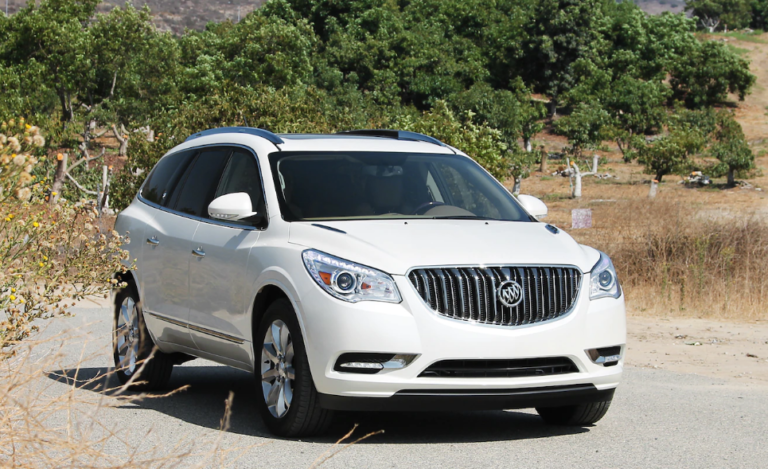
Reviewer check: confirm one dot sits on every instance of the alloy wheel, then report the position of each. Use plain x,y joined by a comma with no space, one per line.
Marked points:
277,372
128,336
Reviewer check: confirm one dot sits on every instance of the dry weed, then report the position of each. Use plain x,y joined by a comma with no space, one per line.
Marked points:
673,259
43,427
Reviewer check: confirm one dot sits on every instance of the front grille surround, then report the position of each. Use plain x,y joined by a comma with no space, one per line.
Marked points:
468,293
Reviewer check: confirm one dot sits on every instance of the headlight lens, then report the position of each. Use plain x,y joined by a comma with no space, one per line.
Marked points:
349,281
603,281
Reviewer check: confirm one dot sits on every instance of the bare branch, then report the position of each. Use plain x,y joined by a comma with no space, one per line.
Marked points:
114,80
87,159
79,186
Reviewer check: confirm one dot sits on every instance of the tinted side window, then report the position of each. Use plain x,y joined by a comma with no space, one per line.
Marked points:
165,176
242,175
200,181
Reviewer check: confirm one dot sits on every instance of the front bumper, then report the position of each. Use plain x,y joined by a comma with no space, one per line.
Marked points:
410,400
333,327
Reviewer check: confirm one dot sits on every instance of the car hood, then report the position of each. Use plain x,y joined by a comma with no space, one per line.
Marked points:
395,246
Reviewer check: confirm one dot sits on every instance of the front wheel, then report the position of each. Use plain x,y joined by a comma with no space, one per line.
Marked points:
579,415
288,400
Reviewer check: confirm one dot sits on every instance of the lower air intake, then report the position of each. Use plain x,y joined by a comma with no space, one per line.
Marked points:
513,368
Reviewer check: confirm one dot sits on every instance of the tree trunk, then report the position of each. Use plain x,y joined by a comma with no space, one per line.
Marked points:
731,181
527,144
577,181
543,166
102,198
66,113
659,175
58,178
516,187
553,108
595,160
123,151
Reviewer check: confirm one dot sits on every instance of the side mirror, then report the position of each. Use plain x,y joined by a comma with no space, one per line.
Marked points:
532,205
231,207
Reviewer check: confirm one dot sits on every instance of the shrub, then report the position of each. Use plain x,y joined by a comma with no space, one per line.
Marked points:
50,256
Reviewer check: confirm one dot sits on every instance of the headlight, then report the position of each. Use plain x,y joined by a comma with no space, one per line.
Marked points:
349,281
603,281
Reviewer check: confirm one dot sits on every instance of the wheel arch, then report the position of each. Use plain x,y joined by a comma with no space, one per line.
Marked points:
131,279
269,292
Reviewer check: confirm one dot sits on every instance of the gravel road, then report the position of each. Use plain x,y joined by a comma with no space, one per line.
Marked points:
658,419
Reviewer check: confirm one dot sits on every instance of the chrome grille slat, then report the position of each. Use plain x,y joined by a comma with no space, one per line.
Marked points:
470,293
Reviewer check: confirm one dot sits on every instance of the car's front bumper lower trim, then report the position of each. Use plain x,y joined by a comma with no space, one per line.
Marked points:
470,399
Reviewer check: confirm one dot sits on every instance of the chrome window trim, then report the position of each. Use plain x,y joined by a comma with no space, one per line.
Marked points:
209,220
482,266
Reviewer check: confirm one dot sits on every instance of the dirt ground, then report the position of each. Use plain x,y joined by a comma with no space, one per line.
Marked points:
724,350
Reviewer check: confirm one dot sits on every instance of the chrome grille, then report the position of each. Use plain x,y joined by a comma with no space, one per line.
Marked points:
470,293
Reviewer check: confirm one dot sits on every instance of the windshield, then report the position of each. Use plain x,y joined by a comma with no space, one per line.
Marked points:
316,186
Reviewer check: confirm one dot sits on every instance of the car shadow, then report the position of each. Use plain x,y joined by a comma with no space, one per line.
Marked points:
202,403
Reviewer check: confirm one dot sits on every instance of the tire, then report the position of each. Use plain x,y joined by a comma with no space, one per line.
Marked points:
133,346
578,415
287,398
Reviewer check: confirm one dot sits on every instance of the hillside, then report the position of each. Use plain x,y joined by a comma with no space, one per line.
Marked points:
173,15
176,15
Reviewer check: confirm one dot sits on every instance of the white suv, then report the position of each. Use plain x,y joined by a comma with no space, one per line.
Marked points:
367,270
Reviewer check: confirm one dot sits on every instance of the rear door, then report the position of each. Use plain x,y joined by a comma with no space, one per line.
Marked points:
219,317
162,269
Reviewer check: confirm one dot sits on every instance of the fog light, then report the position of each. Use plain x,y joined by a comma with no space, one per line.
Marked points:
372,363
606,356
363,365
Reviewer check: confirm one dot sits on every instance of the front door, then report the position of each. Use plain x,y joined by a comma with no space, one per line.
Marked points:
219,317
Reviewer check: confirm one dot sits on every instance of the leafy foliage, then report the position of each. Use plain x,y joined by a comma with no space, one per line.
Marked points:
731,13
328,65
49,256
730,146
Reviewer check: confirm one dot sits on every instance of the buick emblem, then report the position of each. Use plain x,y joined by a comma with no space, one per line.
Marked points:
510,293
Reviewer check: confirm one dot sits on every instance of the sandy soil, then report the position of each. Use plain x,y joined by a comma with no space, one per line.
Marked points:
709,348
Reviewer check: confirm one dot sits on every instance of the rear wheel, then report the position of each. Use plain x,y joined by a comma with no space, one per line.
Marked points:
133,346
288,400
582,414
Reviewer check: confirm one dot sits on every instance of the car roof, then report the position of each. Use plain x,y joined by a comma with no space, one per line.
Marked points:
382,140
321,142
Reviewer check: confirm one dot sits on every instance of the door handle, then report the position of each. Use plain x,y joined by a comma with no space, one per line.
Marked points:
153,241
198,252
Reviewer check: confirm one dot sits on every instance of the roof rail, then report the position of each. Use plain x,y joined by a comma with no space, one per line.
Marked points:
238,130
395,134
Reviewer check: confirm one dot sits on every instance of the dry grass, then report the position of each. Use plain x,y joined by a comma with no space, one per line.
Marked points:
42,426
673,259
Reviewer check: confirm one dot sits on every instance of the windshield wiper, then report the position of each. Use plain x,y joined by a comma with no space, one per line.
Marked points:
463,217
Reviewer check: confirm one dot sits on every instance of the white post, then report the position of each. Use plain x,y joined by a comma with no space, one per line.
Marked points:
577,184
654,187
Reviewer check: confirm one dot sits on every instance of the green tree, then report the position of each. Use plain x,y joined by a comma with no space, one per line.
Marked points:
759,11
515,114
688,134
706,76
585,128
561,33
711,13
730,146
51,47
484,144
